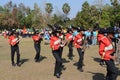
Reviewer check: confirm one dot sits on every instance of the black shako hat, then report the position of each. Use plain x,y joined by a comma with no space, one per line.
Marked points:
68,29
73,27
80,29
102,31
13,31
110,30
55,32
37,31
57,27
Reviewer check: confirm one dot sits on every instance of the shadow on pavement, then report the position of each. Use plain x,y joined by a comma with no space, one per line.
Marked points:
65,61
42,58
97,76
22,61
75,64
96,59
100,61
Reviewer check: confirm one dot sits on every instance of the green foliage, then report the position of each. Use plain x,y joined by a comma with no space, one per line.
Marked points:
56,19
49,8
91,15
12,16
66,8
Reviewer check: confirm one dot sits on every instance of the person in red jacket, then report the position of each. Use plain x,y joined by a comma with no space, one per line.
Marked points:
14,41
69,38
106,51
78,43
55,44
37,41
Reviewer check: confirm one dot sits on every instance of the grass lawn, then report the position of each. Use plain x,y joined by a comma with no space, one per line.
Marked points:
43,70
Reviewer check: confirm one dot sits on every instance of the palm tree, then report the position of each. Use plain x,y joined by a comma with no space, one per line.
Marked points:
66,8
49,8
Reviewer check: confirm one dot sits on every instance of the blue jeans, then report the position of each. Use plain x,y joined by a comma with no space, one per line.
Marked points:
94,40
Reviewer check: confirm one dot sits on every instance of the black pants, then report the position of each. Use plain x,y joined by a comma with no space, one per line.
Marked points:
111,70
37,49
81,57
13,50
58,63
61,51
70,46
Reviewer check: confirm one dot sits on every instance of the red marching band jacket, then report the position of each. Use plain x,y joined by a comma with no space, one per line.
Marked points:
105,47
13,40
69,37
78,40
55,43
36,37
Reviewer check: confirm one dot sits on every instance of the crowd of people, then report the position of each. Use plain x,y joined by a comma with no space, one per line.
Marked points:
77,37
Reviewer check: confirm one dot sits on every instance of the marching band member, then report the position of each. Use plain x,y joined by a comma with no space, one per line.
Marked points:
37,41
69,38
14,43
55,44
106,51
78,42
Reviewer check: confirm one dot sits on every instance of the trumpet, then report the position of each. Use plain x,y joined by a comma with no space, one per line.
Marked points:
63,43
16,40
84,40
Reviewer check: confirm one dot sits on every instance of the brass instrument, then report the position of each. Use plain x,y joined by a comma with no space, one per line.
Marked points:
84,43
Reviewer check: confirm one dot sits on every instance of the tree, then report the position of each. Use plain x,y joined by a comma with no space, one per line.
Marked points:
22,9
94,16
37,17
49,8
115,12
8,7
66,8
2,16
21,16
84,17
10,12
57,19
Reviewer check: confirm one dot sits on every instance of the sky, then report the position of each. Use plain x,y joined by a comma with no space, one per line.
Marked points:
75,5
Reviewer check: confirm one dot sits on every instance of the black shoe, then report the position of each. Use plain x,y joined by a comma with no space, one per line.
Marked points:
57,75
63,67
102,63
80,69
70,58
36,60
18,65
13,64
60,73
